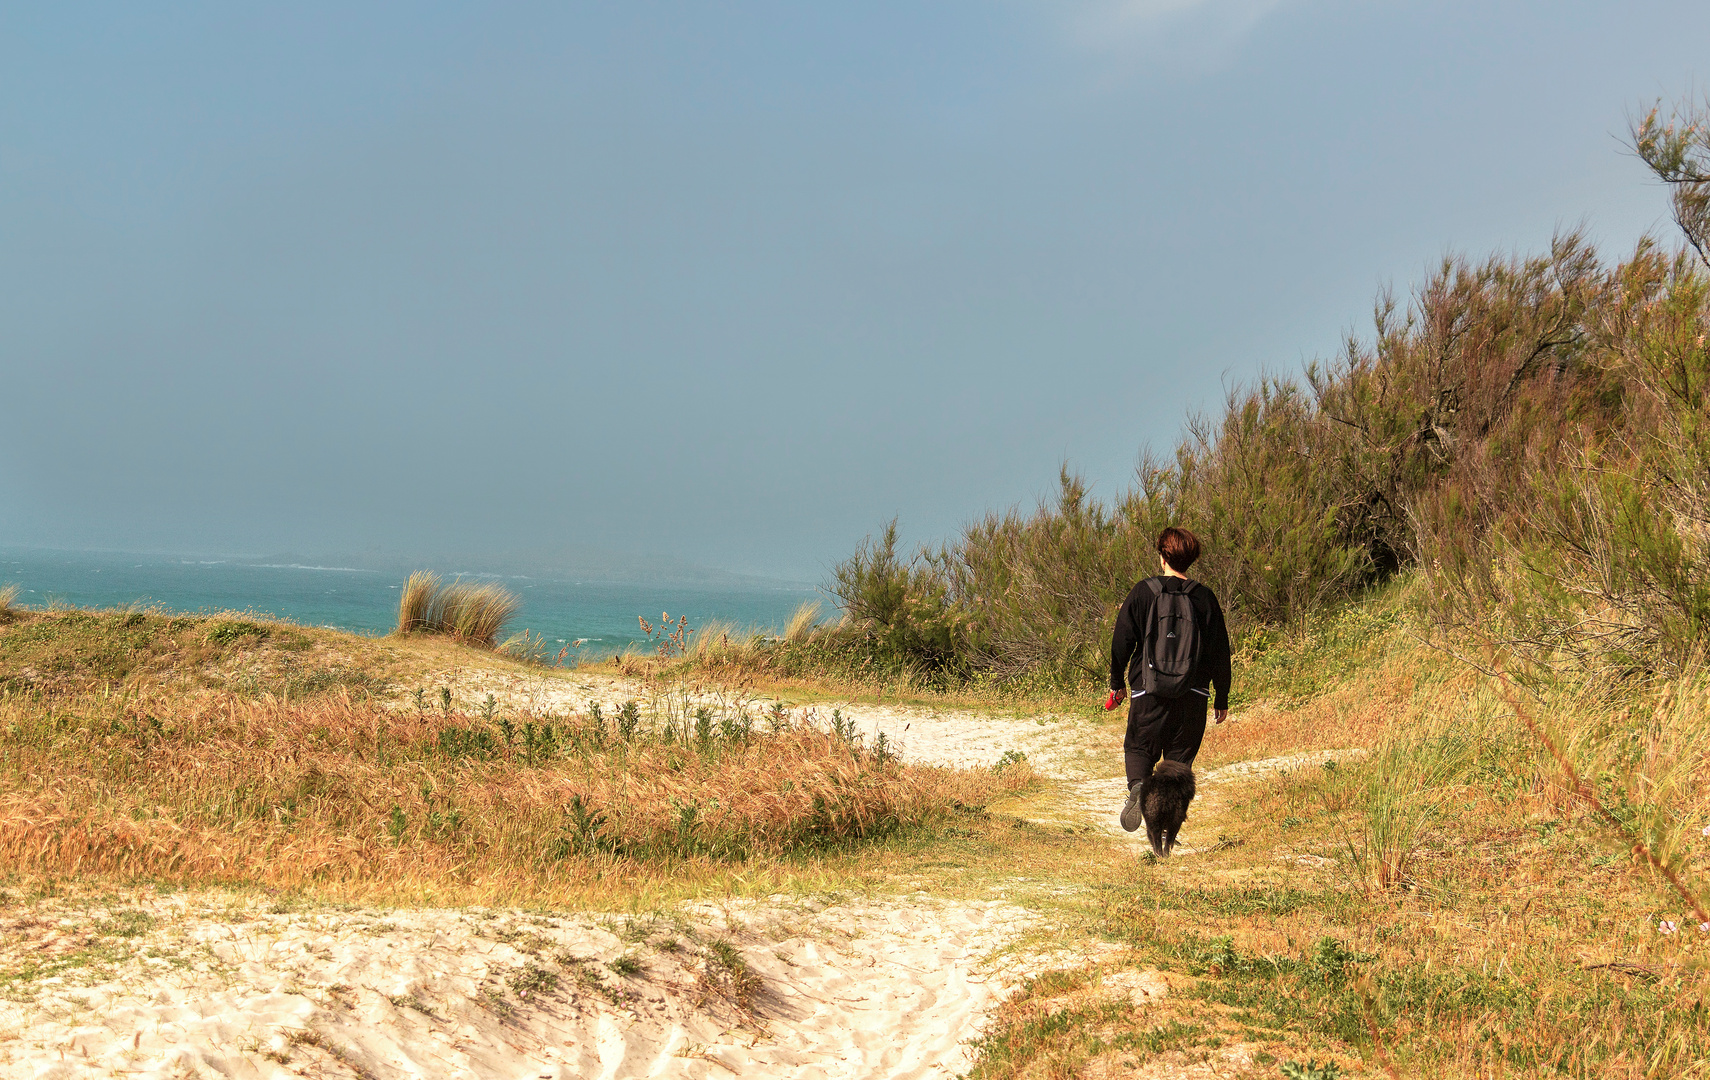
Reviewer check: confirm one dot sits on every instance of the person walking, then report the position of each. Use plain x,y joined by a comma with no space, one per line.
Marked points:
1169,651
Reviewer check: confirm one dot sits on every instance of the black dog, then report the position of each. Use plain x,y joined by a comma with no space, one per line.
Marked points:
1164,803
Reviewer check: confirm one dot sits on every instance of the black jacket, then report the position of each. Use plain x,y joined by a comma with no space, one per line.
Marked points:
1136,615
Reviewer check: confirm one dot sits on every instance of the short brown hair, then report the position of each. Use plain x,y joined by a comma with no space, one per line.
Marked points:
1179,548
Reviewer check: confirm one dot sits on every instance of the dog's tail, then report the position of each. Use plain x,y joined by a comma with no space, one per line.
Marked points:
1176,775
1166,800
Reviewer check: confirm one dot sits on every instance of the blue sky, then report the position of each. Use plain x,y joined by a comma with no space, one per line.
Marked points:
731,283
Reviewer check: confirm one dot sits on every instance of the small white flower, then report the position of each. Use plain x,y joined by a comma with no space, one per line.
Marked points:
1704,928
1667,926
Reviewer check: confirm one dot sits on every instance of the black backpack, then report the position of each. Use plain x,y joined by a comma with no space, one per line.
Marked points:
1171,646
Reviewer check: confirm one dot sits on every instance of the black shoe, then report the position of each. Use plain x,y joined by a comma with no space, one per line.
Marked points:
1132,818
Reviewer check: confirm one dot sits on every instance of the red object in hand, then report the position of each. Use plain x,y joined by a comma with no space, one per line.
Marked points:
1110,702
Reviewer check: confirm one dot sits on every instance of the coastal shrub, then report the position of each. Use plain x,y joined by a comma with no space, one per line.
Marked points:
900,609
1531,433
1677,150
1268,489
475,613
1034,587
1579,535
9,596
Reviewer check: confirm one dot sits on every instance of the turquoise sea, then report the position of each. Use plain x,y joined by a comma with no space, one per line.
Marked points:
561,608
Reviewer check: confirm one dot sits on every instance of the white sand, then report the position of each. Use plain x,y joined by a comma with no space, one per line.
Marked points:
846,991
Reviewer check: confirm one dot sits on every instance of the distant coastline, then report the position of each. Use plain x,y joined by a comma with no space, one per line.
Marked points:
585,564
598,607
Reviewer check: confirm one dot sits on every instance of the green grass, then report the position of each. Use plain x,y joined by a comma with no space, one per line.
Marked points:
79,940
74,651
77,647
1289,666
730,973
533,980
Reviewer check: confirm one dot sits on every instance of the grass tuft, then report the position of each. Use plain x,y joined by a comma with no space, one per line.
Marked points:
416,601
718,641
730,973
475,613
802,623
1401,796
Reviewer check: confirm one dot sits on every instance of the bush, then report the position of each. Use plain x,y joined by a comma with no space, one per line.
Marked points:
1577,533
1532,433
901,611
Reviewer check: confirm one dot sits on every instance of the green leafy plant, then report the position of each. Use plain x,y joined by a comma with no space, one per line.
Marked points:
533,980
1008,759
231,631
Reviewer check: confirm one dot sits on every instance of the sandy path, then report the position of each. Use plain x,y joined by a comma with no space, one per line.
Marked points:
845,991
928,735
1099,802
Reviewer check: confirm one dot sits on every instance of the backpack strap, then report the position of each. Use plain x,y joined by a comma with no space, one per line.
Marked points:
1156,583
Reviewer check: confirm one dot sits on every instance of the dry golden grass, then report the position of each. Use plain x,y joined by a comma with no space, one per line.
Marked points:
415,601
342,796
717,642
802,622
474,613
298,691
8,597
1452,906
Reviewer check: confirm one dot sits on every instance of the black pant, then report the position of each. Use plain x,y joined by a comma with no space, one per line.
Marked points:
1162,728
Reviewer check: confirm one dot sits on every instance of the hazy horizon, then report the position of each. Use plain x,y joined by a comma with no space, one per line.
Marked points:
591,564
730,288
